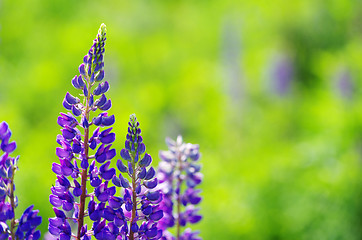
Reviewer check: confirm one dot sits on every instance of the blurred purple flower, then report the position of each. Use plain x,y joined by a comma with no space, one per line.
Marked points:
345,86
179,170
282,75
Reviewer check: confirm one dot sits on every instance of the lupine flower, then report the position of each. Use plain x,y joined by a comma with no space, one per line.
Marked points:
141,200
282,75
71,194
11,228
344,82
178,175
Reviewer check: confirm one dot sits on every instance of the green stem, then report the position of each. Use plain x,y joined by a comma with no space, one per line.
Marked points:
134,199
84,172
178,202
12,202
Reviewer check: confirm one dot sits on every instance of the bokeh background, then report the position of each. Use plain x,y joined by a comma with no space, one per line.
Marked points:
271,90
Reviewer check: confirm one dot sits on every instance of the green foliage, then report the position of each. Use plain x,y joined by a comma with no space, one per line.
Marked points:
275,167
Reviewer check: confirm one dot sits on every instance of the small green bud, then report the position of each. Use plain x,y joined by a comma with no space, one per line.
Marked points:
102,30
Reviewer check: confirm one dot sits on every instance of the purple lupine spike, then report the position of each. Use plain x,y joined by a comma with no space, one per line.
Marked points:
25,227
179,170
77,147
282,75
141,208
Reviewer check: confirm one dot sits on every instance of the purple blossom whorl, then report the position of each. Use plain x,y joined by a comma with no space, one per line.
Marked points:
141,200
29,221
70,195
179,175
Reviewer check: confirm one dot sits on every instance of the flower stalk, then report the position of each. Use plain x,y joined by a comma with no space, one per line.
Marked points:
25,227
178,169
70,193
12,202
84,176
141,200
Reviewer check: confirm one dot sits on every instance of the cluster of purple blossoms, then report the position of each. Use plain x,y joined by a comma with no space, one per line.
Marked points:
141,200
25,227
78,147
144,210
86,184
178,176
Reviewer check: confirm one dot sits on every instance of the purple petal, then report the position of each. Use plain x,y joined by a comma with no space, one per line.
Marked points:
84,163
76,148
146,160
91,78
54,230
80,81
115,202
150,174
116,181
66,171
102,100
85,91
62,153
108,175
98,90
3,129
141,148
9,148
151,184
125,154
67,206
56,222
151,232
121,167
153,196
103,197
106,106
71,99
97,120
75,82
91,100
134,227
147,210
76,111
108,138
59,213
194,219
100,76
68,133
105,87
156,215
82,69
56,168
95,182
85,123
142,174
101,158
124,182
111,154
66,105
55,201
108,121
77,192
108,214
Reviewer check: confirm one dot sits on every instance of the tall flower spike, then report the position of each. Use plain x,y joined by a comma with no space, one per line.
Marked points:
178,175
11,228
141,200
78,145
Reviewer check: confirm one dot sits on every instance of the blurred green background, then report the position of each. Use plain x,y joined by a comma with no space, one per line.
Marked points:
271,90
